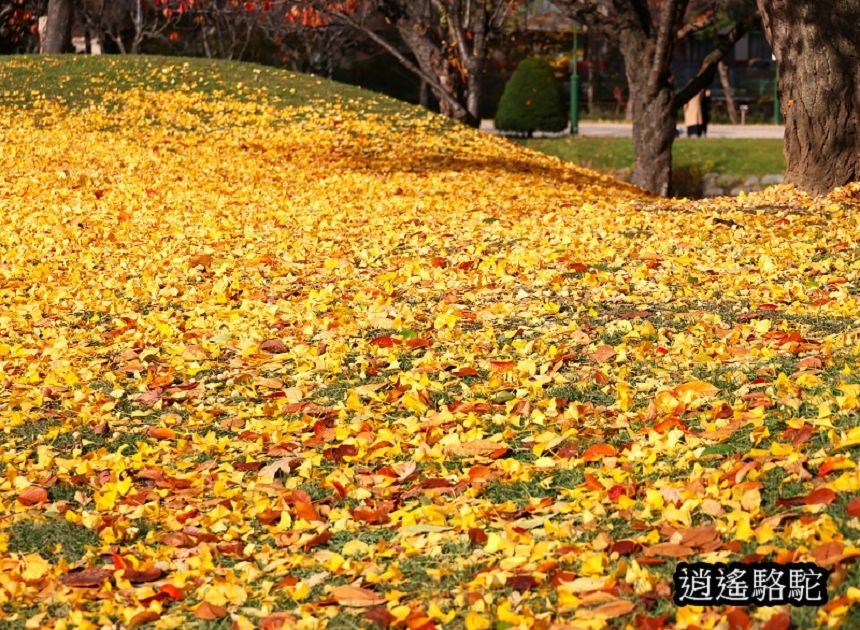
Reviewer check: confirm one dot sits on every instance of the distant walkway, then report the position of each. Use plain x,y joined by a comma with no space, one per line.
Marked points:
625,130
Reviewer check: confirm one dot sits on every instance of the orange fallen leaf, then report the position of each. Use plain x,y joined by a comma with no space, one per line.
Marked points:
598,451
672,550
32,495
603,354
85,578
610,610
161,433
821,496
209,611
356,596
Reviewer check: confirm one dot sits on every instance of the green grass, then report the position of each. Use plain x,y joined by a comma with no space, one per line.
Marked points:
727,156
52,539
78,81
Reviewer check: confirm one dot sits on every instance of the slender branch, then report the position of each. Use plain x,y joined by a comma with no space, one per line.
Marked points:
705,76
392,50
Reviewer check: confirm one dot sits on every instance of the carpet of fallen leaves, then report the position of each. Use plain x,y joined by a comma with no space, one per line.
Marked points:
303,367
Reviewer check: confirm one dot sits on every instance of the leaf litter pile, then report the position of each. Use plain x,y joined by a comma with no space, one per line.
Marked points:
269,365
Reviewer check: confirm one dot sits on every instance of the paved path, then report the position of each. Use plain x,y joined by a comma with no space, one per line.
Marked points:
625,130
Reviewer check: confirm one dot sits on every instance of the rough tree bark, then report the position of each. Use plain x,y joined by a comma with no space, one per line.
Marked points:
58,28
817,49
723,71
647,32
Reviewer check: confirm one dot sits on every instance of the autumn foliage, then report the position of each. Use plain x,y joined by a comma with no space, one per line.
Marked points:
289,365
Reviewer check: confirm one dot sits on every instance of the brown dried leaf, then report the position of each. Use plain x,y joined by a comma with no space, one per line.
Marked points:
356,596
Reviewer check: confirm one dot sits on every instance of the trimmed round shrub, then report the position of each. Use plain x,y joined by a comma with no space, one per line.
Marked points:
532,100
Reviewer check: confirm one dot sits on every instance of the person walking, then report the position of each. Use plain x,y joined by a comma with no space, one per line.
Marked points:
693,118
706,111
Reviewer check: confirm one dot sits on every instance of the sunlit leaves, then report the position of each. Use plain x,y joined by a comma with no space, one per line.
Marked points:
275,370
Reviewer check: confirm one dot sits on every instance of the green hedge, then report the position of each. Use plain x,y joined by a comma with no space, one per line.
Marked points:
532,100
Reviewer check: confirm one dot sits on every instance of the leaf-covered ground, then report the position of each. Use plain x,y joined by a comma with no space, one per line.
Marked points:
276,360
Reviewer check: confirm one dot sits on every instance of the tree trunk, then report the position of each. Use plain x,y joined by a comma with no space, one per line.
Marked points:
815,44
58,28
723,71
653,135
473,97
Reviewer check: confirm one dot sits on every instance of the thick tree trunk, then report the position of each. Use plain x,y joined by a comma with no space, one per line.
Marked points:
653,135
723,71
816,48
58,28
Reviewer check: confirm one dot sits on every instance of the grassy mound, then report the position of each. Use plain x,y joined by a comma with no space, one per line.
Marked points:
282,352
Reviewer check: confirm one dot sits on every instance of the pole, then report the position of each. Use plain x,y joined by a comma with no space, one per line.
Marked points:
574,86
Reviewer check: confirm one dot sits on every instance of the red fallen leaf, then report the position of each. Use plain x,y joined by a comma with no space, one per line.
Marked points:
143,576
338,453
274,346
385,341
502,366
246,466
836,602
598,451
644,622
616,491
767,307
375,515
438,261
466,371
210,611
568,451
625,547
118,562
521,582
380,616
276,621
737,618
780,621
232,548
466,265
560,577
791,502
142,618
305,510
32,495
356,596
821,496
578,267
478,536
85,578
853,508
417,342
161,433
320,539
